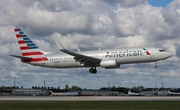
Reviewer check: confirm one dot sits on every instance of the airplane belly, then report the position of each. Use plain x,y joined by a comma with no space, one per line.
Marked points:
65,64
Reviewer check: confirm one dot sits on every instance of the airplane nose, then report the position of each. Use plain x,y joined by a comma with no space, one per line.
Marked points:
168,54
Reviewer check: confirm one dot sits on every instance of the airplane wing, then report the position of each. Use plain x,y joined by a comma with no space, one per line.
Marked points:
79,57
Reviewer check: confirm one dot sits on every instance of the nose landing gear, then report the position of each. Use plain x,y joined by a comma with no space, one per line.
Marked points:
93,70
156,64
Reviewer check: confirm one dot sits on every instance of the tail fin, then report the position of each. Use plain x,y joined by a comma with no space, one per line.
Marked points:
28,48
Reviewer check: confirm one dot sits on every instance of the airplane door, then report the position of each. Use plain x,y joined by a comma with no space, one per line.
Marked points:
43,60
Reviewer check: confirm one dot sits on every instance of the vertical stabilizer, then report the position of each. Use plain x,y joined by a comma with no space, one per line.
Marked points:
28,47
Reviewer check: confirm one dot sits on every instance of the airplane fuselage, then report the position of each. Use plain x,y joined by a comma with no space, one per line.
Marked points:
122,56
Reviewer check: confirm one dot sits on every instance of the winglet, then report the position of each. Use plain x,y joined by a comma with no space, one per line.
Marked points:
60,47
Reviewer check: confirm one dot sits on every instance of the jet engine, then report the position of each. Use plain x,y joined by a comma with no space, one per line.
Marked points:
109,64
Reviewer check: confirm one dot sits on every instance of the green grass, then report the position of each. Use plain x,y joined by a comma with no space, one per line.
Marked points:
87,105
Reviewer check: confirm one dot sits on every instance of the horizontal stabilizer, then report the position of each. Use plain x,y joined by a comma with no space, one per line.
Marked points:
21,57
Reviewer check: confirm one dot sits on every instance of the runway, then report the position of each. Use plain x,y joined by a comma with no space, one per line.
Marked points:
91,98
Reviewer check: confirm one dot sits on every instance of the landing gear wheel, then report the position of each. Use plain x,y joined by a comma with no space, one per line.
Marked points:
93,70
156,66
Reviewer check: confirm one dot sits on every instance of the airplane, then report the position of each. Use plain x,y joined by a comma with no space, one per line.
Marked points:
108,59
173,93
134,94
65,94
55,94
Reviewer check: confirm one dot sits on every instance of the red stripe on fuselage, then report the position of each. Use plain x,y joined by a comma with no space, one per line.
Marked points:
24,48
32,53
18,36
35,60
21,42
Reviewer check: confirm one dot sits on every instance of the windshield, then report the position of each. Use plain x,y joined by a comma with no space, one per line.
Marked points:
161,50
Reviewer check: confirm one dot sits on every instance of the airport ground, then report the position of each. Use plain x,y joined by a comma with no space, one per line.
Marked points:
50,104
91,98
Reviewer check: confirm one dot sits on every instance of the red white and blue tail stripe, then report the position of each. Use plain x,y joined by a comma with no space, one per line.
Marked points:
28,48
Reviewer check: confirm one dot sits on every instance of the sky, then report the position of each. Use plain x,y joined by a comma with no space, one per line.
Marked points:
89,25
159,3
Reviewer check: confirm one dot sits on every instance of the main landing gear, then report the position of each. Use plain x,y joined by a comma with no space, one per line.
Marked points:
156,66
93,70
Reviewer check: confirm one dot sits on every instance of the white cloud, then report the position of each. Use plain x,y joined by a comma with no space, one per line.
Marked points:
89,25
127,3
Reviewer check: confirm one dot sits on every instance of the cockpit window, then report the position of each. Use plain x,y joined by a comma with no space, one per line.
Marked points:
161,50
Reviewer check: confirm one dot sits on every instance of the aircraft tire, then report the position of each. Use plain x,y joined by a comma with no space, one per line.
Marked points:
94,71
156,66
91,70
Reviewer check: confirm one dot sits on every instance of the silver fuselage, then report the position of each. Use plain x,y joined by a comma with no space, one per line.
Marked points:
122,56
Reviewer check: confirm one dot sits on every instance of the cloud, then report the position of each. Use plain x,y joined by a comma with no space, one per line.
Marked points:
177,50
89,25
126,3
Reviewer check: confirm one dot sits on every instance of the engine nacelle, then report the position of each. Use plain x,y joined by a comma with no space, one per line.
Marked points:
109,64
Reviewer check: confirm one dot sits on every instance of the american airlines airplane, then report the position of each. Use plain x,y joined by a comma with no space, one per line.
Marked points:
108,59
